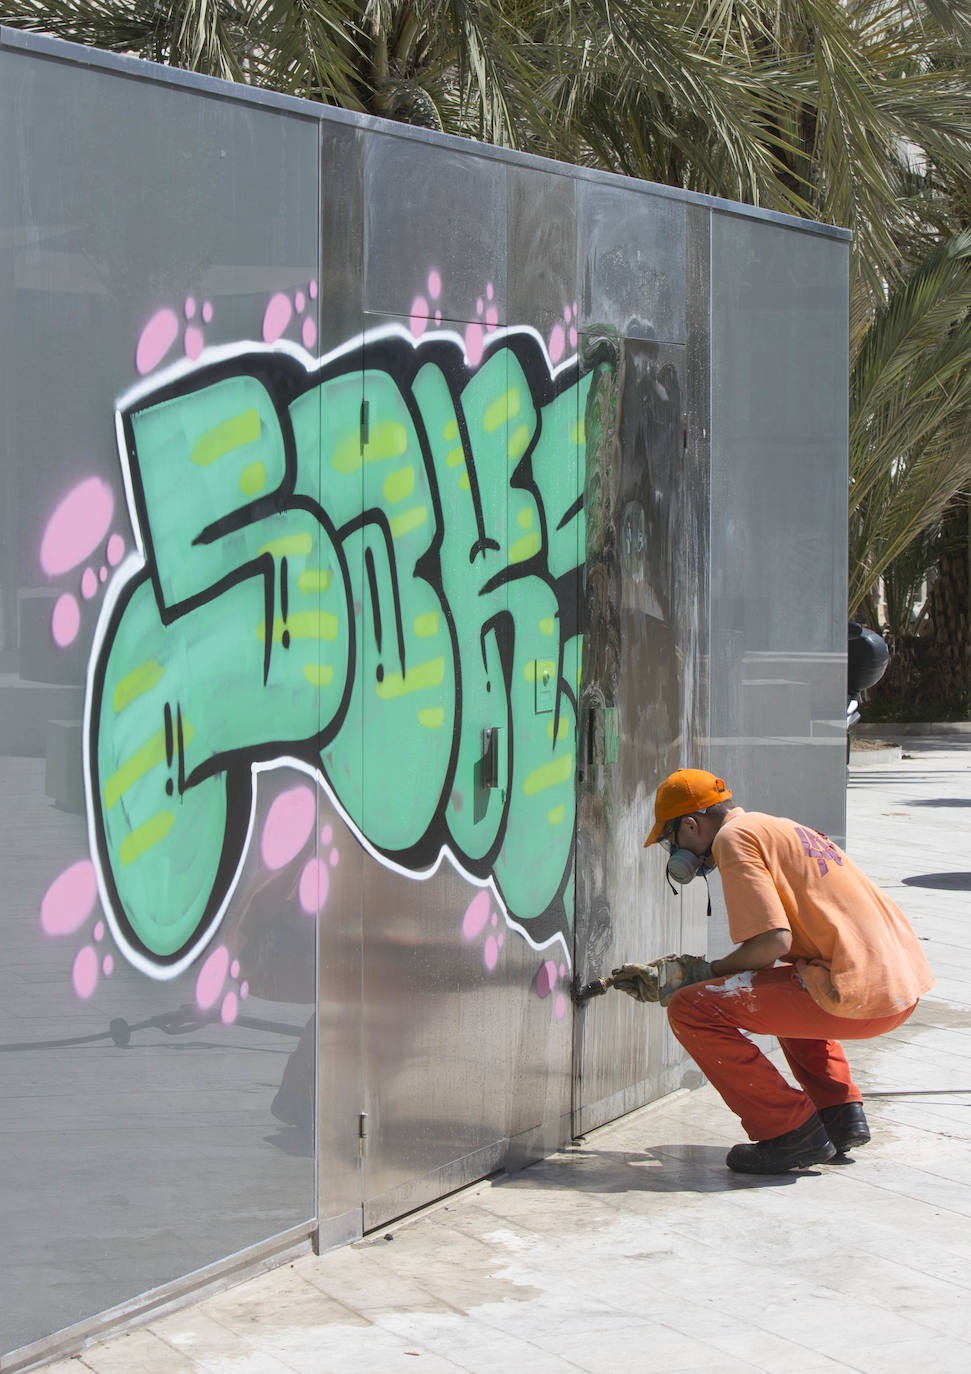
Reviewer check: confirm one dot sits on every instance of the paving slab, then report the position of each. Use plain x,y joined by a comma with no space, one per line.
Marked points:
637,1248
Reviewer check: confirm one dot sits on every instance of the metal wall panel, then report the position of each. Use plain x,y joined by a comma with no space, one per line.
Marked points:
778,501
138,1136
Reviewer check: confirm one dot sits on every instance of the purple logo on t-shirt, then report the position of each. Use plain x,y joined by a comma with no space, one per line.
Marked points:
818,847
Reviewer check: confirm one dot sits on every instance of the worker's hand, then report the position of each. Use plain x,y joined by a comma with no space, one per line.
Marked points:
677,971
637,980
659,980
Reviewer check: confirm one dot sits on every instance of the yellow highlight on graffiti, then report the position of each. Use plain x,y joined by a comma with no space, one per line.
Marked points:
410,520
231,434
146,836
398,485
288,546
525,518
505,408
547,625
549,775
318,674
425,626
389,439
314,580
252,479
302,625
451,430
525,547
455,456
556,815
518,442
144,759
432,717
578,434
133,684
430,674
464,483
562,729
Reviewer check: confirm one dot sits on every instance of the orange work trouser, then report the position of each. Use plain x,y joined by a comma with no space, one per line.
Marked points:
709,1019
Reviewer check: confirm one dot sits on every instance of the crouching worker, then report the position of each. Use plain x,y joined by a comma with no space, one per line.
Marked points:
823,955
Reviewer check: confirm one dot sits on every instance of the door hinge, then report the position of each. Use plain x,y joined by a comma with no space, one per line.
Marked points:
365,425
362,1127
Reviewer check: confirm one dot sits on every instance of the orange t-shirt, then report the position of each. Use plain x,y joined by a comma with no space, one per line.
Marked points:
852,946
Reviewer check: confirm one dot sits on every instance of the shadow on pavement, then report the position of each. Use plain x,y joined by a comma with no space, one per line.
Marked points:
656,1169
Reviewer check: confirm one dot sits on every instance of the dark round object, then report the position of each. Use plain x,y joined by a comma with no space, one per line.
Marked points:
120,1031
867,658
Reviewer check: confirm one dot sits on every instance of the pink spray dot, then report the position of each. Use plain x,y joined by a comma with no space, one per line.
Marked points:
490,953
573,338
243,991
69,900
434,285
190,307
84,974
334,858
212,975
559,1007
479,305
314,882
234,969
490,290
326,835
574,307
299,300
102,574
193,342
77,527
229,1010
476,915
474,344
492,318
89,584
563,970
65,620
308,332
289,824
494,919
566,314
499,939
546,978
115,551
438,317
156,339
277,317
312,290
419,316
557,343
99,931
206,312
107,966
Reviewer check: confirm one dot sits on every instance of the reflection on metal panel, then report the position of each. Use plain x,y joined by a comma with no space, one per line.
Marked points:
143,1130
632,262
647,631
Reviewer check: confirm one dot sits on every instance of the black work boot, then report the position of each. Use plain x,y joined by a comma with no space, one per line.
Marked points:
807,1144
845,1125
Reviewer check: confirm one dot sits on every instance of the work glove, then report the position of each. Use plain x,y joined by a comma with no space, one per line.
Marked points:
659,980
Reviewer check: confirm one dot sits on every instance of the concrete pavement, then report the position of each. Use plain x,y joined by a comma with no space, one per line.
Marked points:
637,1248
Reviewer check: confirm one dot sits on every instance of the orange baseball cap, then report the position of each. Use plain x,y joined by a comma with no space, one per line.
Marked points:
687,790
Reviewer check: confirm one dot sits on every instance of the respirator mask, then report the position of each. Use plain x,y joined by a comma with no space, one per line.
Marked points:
684,865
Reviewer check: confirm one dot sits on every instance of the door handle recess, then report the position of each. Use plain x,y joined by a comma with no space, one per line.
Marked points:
493,757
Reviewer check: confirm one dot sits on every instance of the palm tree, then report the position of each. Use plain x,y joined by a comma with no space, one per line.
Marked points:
855,112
